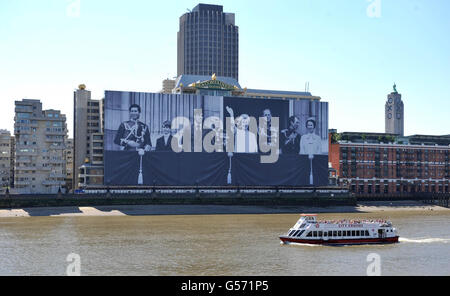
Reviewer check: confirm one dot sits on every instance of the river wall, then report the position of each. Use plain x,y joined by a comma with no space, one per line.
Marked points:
322,200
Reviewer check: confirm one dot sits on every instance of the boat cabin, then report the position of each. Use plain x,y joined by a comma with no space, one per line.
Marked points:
312,218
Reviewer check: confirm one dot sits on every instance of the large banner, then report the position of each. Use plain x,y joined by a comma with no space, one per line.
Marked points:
154,139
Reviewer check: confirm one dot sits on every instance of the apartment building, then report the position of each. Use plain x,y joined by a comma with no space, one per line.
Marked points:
40,165
5,160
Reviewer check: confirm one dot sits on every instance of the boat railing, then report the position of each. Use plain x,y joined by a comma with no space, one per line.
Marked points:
354,222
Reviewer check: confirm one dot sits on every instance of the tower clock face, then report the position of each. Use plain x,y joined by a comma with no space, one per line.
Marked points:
390,100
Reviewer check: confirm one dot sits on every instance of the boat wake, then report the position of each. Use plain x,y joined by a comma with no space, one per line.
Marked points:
424,240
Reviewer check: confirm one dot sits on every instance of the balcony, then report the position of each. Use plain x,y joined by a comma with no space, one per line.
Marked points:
54,183
23,160
23,109
57,175
26,153
26,168
60,117
52,147
22,132
28,146
55,133
22,183
22,126
54,140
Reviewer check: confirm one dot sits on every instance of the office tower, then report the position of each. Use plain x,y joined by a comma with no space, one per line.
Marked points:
40,165
5,160
88,121
208,42
394,113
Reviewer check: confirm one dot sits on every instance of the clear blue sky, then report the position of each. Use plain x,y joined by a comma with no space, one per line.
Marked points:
351,52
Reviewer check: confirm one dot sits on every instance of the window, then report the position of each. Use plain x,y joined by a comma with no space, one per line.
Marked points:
366,233
330,233
320,233
334,233
344,233
339,233
300,233
357,233
314,233
309,234
353,233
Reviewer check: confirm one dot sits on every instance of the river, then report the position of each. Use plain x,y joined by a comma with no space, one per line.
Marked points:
214,245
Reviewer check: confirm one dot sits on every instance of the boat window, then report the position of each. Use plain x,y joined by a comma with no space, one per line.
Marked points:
367,233
300,233
309,234
295,232
339,233
314,233
344,233
353,233
330,233
357,232
290,233
320,233
334,233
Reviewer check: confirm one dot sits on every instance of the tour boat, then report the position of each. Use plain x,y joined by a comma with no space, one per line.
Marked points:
308,230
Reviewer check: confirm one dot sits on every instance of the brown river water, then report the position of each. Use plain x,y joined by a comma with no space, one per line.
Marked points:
215,245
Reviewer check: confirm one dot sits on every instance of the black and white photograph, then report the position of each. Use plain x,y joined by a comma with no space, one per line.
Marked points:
206,140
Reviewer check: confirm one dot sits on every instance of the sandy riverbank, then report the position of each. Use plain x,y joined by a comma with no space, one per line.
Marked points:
145,210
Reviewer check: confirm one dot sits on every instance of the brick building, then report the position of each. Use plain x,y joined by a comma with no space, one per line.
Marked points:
370,163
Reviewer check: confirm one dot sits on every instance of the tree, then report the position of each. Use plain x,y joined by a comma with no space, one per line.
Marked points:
335,138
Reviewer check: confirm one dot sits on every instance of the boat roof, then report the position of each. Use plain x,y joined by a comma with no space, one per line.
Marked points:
308,215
